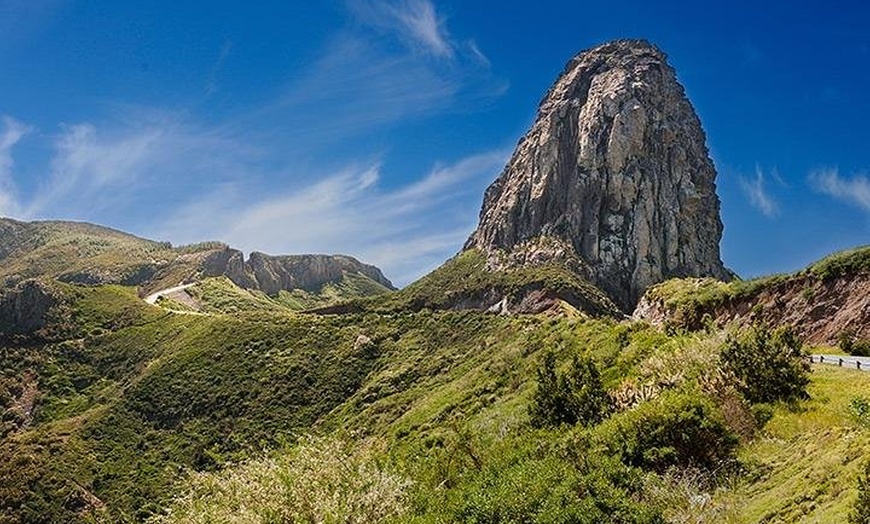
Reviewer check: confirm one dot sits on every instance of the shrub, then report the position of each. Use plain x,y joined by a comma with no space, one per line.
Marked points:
860,410
537,478
861,510
850,344
322,480
676,429
769,365
574,397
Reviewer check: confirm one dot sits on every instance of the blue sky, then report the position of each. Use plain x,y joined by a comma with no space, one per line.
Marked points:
372,127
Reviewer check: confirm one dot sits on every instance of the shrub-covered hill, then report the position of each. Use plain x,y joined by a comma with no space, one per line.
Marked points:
87,253
117,410
465,283
822,301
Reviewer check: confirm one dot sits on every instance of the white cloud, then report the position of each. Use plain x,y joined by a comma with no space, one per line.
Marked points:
357,86
299,172
759,198
119,173
360,82
405,230
414,21
855,190
12,132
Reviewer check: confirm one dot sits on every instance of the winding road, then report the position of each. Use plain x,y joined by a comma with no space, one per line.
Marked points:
153,297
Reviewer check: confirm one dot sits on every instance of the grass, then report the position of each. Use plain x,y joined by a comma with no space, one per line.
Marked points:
463,282
805,466
89,254
843,263
132,396
221,295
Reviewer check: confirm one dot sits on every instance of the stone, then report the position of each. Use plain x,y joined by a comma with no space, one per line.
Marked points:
615,173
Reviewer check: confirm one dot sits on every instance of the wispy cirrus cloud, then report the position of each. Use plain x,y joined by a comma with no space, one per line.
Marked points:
416,22
361,83
119,173
12,132
853,190
405,230
758,194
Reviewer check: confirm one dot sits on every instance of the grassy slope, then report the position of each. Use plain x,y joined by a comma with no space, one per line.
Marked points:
805,466
81,252
138,394
801,468
220,295
135,395
464,279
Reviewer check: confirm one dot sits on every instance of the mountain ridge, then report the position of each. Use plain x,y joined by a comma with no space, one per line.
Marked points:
84,253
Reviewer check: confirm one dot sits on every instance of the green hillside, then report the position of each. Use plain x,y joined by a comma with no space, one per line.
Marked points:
464,282
124,412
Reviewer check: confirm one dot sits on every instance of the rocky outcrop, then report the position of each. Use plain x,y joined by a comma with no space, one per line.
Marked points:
614,172
230,263
272,274
26,308
309,272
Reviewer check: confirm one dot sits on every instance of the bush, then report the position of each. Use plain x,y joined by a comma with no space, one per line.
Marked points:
769,365
859,407
850,344
575,397
322,480
861,510
537,478
676,429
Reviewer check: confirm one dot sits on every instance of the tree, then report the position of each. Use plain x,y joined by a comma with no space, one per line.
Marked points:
577,396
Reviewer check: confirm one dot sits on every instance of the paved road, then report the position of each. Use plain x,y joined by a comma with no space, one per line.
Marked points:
848,361
152,298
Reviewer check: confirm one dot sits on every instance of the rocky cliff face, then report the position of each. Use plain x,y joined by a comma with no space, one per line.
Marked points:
615,172
25,308
308,272
271,274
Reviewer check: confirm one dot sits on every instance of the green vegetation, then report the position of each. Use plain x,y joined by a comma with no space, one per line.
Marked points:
675,429
89,254
769,364
861,512
576,396
319,480
464,281
860,410
350,287
843,263
804,466
247,411
851,345
220,295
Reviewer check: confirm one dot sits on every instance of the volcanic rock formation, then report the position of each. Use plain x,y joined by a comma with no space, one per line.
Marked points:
614,172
